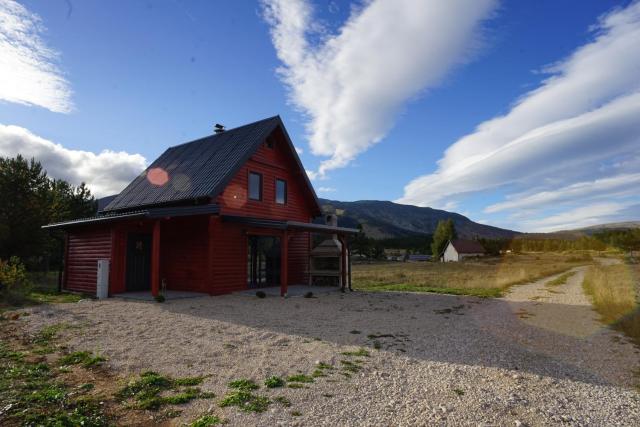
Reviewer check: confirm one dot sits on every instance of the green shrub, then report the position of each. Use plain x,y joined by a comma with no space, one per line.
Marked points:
274,382
300,378
244,384
206,421
246,401
14,285
83,358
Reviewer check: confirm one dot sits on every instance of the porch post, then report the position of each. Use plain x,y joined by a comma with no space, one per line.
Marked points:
284,263
212,227
349,264
155,259
343,264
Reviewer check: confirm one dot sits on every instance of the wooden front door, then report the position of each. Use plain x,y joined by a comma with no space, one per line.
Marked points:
263,261
138,276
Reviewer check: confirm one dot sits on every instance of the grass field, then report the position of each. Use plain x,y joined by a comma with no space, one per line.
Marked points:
43,289
614,290
488,277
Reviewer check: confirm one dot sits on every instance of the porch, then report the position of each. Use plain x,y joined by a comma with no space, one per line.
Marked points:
292,291
168,295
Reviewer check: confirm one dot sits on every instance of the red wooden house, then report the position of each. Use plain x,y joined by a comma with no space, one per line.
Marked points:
223,213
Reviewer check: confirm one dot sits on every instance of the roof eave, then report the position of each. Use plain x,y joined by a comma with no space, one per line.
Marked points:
166,212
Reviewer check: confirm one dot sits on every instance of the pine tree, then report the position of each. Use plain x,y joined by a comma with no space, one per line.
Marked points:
445,231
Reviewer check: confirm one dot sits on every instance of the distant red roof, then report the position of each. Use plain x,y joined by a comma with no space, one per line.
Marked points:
467,246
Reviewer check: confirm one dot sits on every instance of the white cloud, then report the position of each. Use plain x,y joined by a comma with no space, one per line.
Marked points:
326,190
562,140
352,84
582,216
298,150
28,71
619,185
105,173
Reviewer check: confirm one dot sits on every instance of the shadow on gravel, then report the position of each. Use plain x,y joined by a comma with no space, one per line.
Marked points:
434,327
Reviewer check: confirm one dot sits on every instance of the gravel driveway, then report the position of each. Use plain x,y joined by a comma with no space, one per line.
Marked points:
535,357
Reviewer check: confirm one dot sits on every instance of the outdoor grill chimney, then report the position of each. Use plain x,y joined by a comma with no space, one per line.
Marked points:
218,128
331,220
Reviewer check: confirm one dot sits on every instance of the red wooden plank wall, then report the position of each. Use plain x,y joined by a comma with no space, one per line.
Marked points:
272,163
299,258
85,248
229,263
184,249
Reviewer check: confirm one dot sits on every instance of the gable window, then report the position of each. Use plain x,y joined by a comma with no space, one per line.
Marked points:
281,191
255,186
270,142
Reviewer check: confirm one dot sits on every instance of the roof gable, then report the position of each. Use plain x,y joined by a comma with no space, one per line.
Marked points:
201,168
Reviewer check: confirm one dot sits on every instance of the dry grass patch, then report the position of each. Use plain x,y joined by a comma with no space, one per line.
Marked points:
614,292
488,277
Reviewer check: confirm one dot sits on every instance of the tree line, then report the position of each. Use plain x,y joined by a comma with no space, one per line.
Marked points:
623,240
31,199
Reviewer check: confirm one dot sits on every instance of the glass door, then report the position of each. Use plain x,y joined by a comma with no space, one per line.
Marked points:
263,261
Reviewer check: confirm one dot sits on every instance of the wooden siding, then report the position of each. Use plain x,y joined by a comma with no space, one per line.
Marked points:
85,248
273,163
228,267
229,263
184,248
299,258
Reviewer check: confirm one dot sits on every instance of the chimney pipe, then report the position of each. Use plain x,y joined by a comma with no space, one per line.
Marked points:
332,220
218,128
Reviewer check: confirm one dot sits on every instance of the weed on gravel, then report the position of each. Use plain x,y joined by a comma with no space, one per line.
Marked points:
458,391
84,358
282,401
274,382
245,401
31,393
244,384
350,366
360,352
560,280
147,391
300,378
206,421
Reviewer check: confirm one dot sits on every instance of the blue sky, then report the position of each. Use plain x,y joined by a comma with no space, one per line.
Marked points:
384,98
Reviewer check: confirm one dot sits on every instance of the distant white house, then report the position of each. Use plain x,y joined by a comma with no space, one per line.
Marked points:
457,250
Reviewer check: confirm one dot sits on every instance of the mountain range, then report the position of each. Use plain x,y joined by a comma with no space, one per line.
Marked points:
383,220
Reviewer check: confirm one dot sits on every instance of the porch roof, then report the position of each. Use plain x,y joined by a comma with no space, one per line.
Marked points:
289,225
146,213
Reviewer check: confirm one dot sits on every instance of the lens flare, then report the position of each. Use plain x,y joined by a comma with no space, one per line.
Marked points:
157,176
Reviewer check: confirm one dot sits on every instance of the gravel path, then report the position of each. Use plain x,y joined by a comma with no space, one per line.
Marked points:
535,357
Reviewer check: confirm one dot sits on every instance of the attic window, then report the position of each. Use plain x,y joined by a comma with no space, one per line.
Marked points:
270,142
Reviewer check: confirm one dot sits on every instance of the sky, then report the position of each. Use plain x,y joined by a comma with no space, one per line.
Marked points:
519,114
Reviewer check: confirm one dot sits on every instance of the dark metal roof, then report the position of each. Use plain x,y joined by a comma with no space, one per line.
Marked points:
104,201
147,213
288,225
202,168
467,246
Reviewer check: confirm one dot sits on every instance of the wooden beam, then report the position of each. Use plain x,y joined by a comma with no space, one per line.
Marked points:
155,259
211,230
349,265
65,262
284,264
343,264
